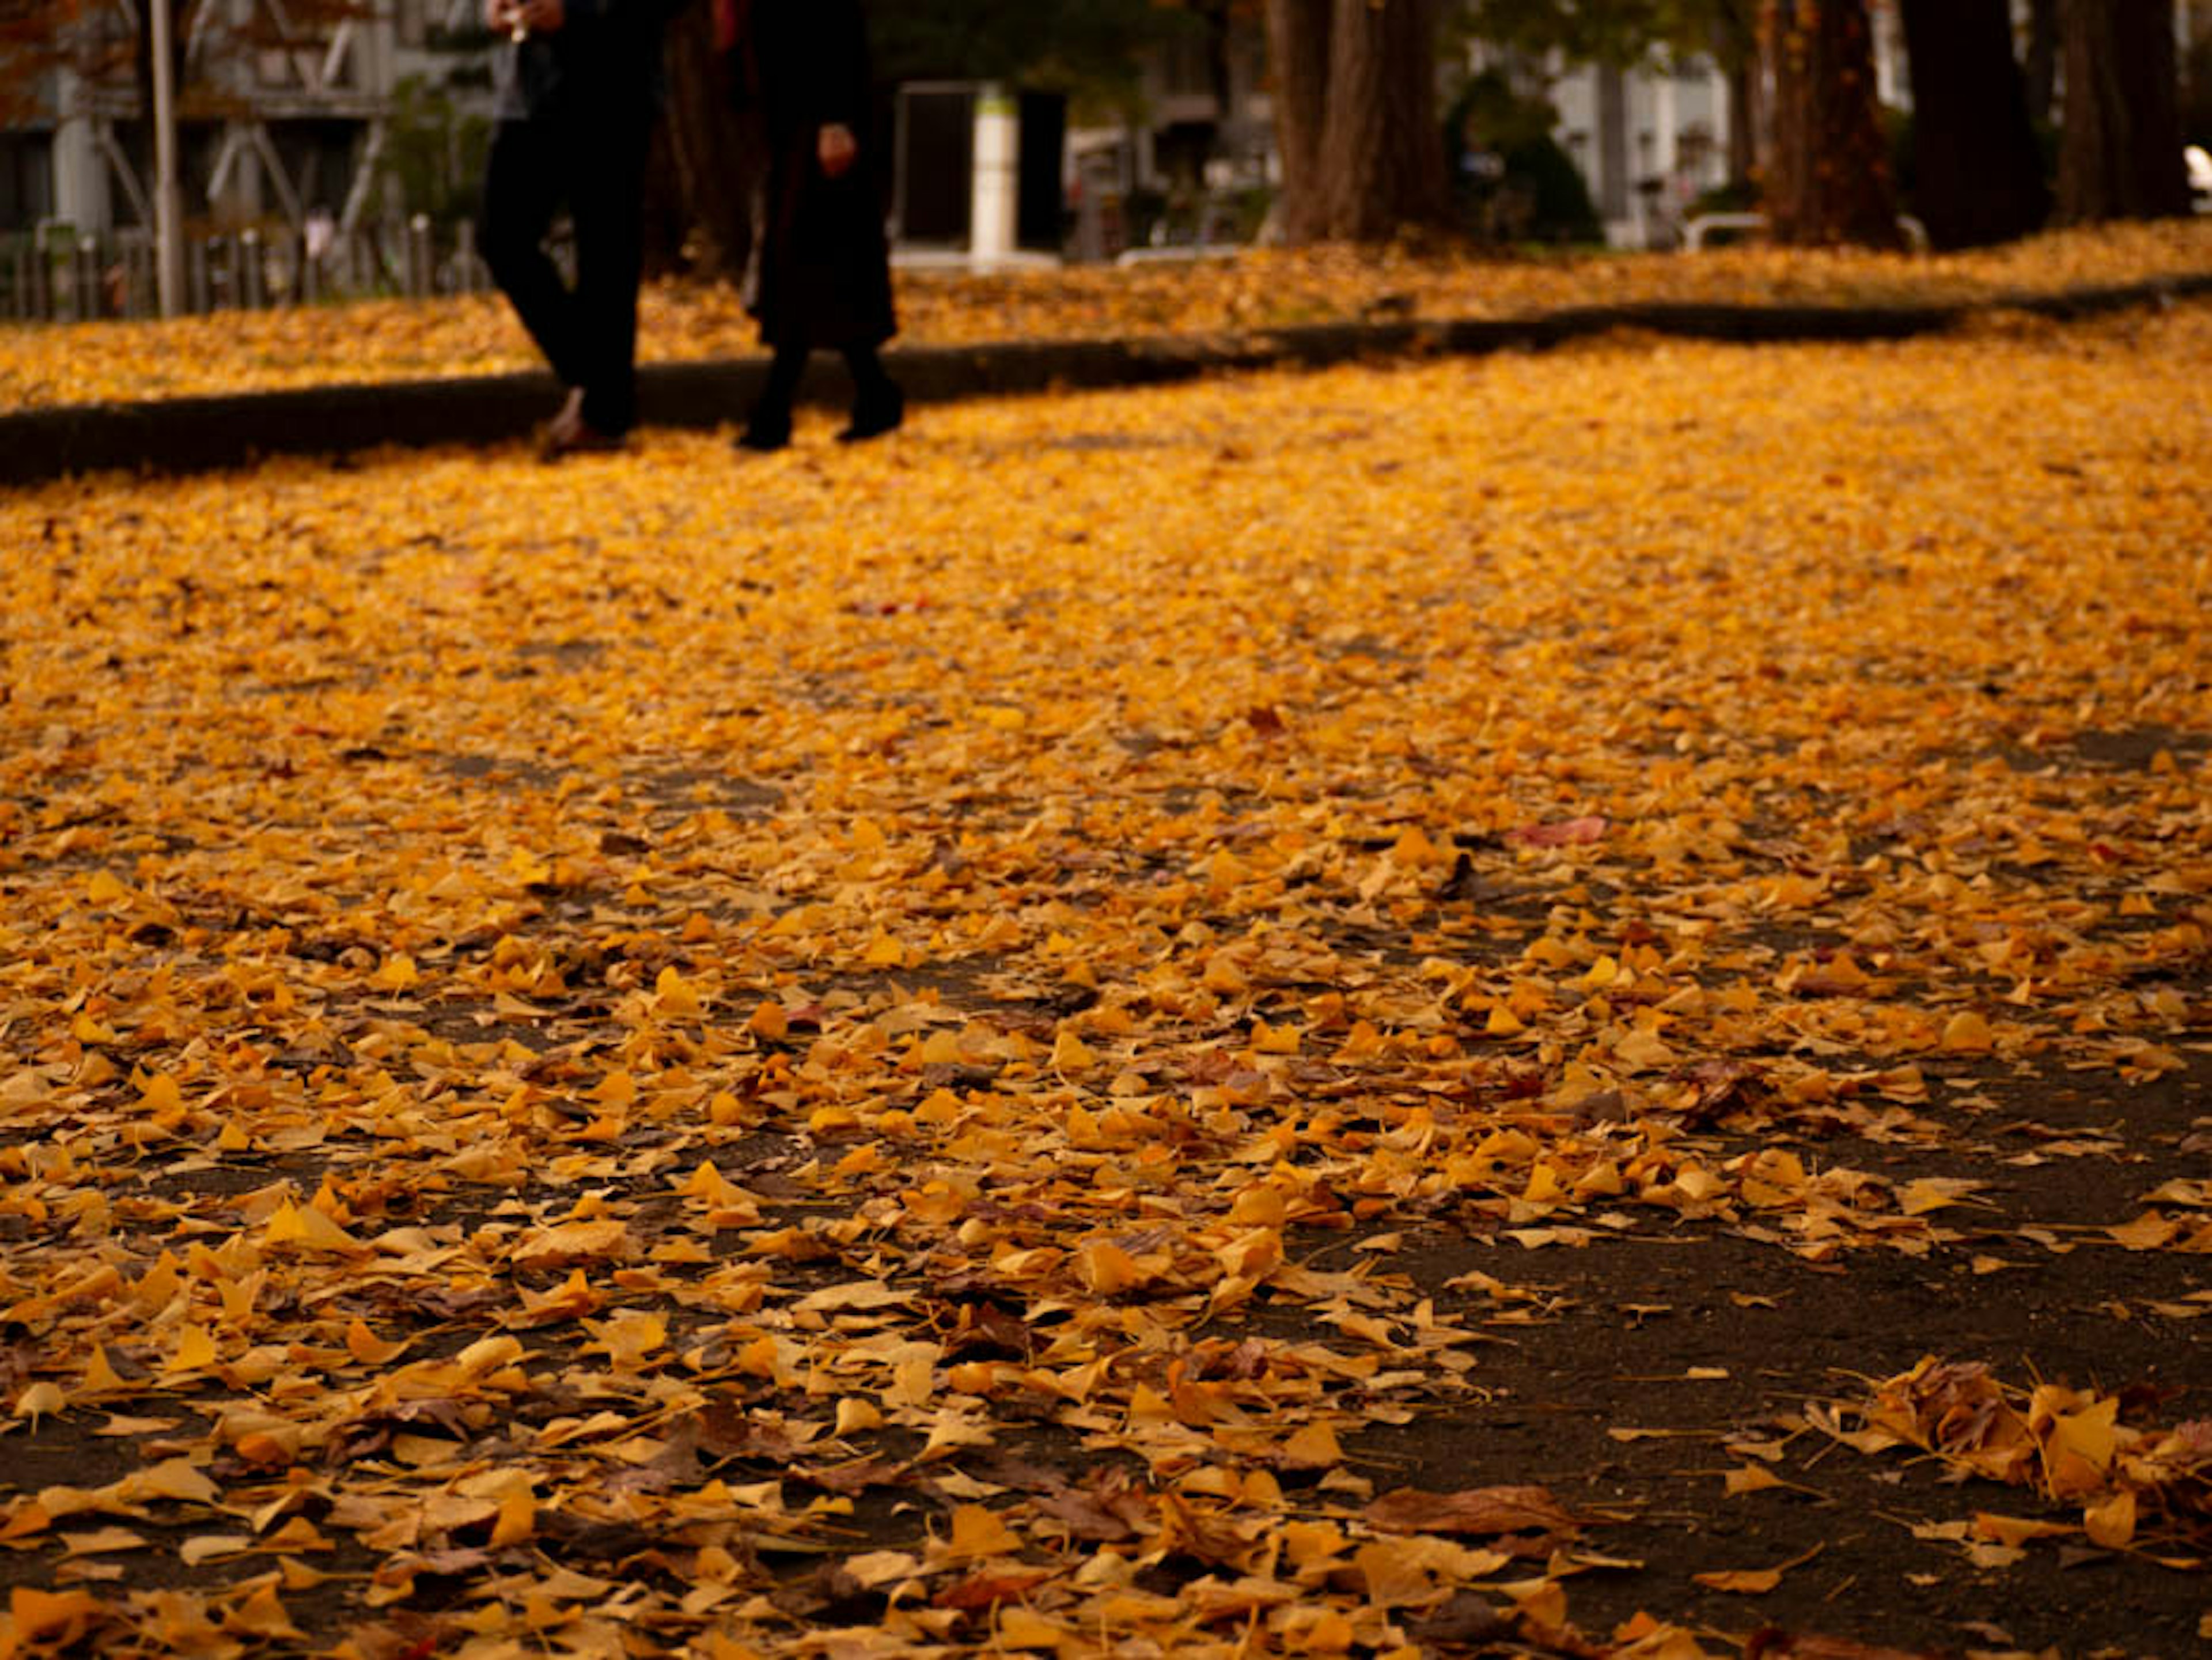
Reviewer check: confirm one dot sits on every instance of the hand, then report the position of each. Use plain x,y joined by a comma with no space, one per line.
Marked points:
520,18
837,150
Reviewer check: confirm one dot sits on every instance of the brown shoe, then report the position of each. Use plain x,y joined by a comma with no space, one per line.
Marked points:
579,439
568,433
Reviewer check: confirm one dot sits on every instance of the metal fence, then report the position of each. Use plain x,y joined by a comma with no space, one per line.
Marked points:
55,274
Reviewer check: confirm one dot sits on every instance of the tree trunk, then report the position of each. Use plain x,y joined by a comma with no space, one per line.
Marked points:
1383,159
1356,120
1739,61
1829,181
1298,42
711,154
2120,157
2042,67
1980,174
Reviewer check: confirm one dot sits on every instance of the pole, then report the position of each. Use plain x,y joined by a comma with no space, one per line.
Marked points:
994,201
168,234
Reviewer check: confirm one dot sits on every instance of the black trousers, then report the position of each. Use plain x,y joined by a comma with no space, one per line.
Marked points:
593,161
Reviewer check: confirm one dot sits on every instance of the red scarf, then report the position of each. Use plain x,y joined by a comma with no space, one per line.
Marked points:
733,33
731,18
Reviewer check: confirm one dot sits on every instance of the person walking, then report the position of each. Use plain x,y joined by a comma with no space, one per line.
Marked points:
578,87
823,265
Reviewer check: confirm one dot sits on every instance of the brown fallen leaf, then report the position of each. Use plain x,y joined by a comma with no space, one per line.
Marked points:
1565,833
1772,1642
1742,1582
986,1590
1497,1510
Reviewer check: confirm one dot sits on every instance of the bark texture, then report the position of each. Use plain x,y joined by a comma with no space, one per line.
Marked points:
1736,49
713,153
1828,181
2041,68
1356,117
1980,172
1382,164
2120,157
1297,40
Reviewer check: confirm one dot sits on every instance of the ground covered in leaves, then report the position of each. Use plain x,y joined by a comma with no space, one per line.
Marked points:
1253,292
1553,1006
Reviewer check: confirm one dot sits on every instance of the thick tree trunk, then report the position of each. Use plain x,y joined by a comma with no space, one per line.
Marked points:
2120,157
1356,118
1737,53
1980,174
711,154
1298,42
1829,179
2041,69
1383,159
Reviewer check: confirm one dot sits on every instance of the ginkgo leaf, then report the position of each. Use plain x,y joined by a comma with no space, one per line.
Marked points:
1475,1511
50,1617
1028,1012
307,1226
37,1400
1741,1582
978,1531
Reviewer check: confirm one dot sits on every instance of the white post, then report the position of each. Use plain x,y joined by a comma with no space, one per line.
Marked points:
1723,114
168,231
994,203
80,192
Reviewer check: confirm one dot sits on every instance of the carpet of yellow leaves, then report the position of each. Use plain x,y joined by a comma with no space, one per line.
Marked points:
572,1039
395,340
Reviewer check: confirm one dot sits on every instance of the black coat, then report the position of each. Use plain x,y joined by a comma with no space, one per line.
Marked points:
824,266
602,65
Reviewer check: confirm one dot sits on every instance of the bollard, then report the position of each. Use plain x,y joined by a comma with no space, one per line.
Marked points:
422,267
54,294
222,266
84,274
470,274
139,275
252,285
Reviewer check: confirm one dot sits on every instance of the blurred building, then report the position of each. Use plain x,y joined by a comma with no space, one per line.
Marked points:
284,113
1648,142
1201,133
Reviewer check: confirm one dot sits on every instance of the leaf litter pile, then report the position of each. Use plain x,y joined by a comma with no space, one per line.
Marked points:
1254,291
1556,1007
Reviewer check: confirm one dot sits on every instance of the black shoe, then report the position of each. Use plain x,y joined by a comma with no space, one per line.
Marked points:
764,437
874,416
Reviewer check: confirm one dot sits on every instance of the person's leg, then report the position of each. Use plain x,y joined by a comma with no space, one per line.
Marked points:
522,186
608,169
769,427
878,405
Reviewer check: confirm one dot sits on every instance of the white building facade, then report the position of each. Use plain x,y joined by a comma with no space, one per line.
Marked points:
278,123
1648,142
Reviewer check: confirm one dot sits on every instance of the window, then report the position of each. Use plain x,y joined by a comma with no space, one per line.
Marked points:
26,180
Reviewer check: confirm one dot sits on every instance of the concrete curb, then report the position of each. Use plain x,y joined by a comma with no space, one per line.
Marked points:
196,434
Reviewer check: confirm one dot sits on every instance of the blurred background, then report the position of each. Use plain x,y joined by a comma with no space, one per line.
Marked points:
328,149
